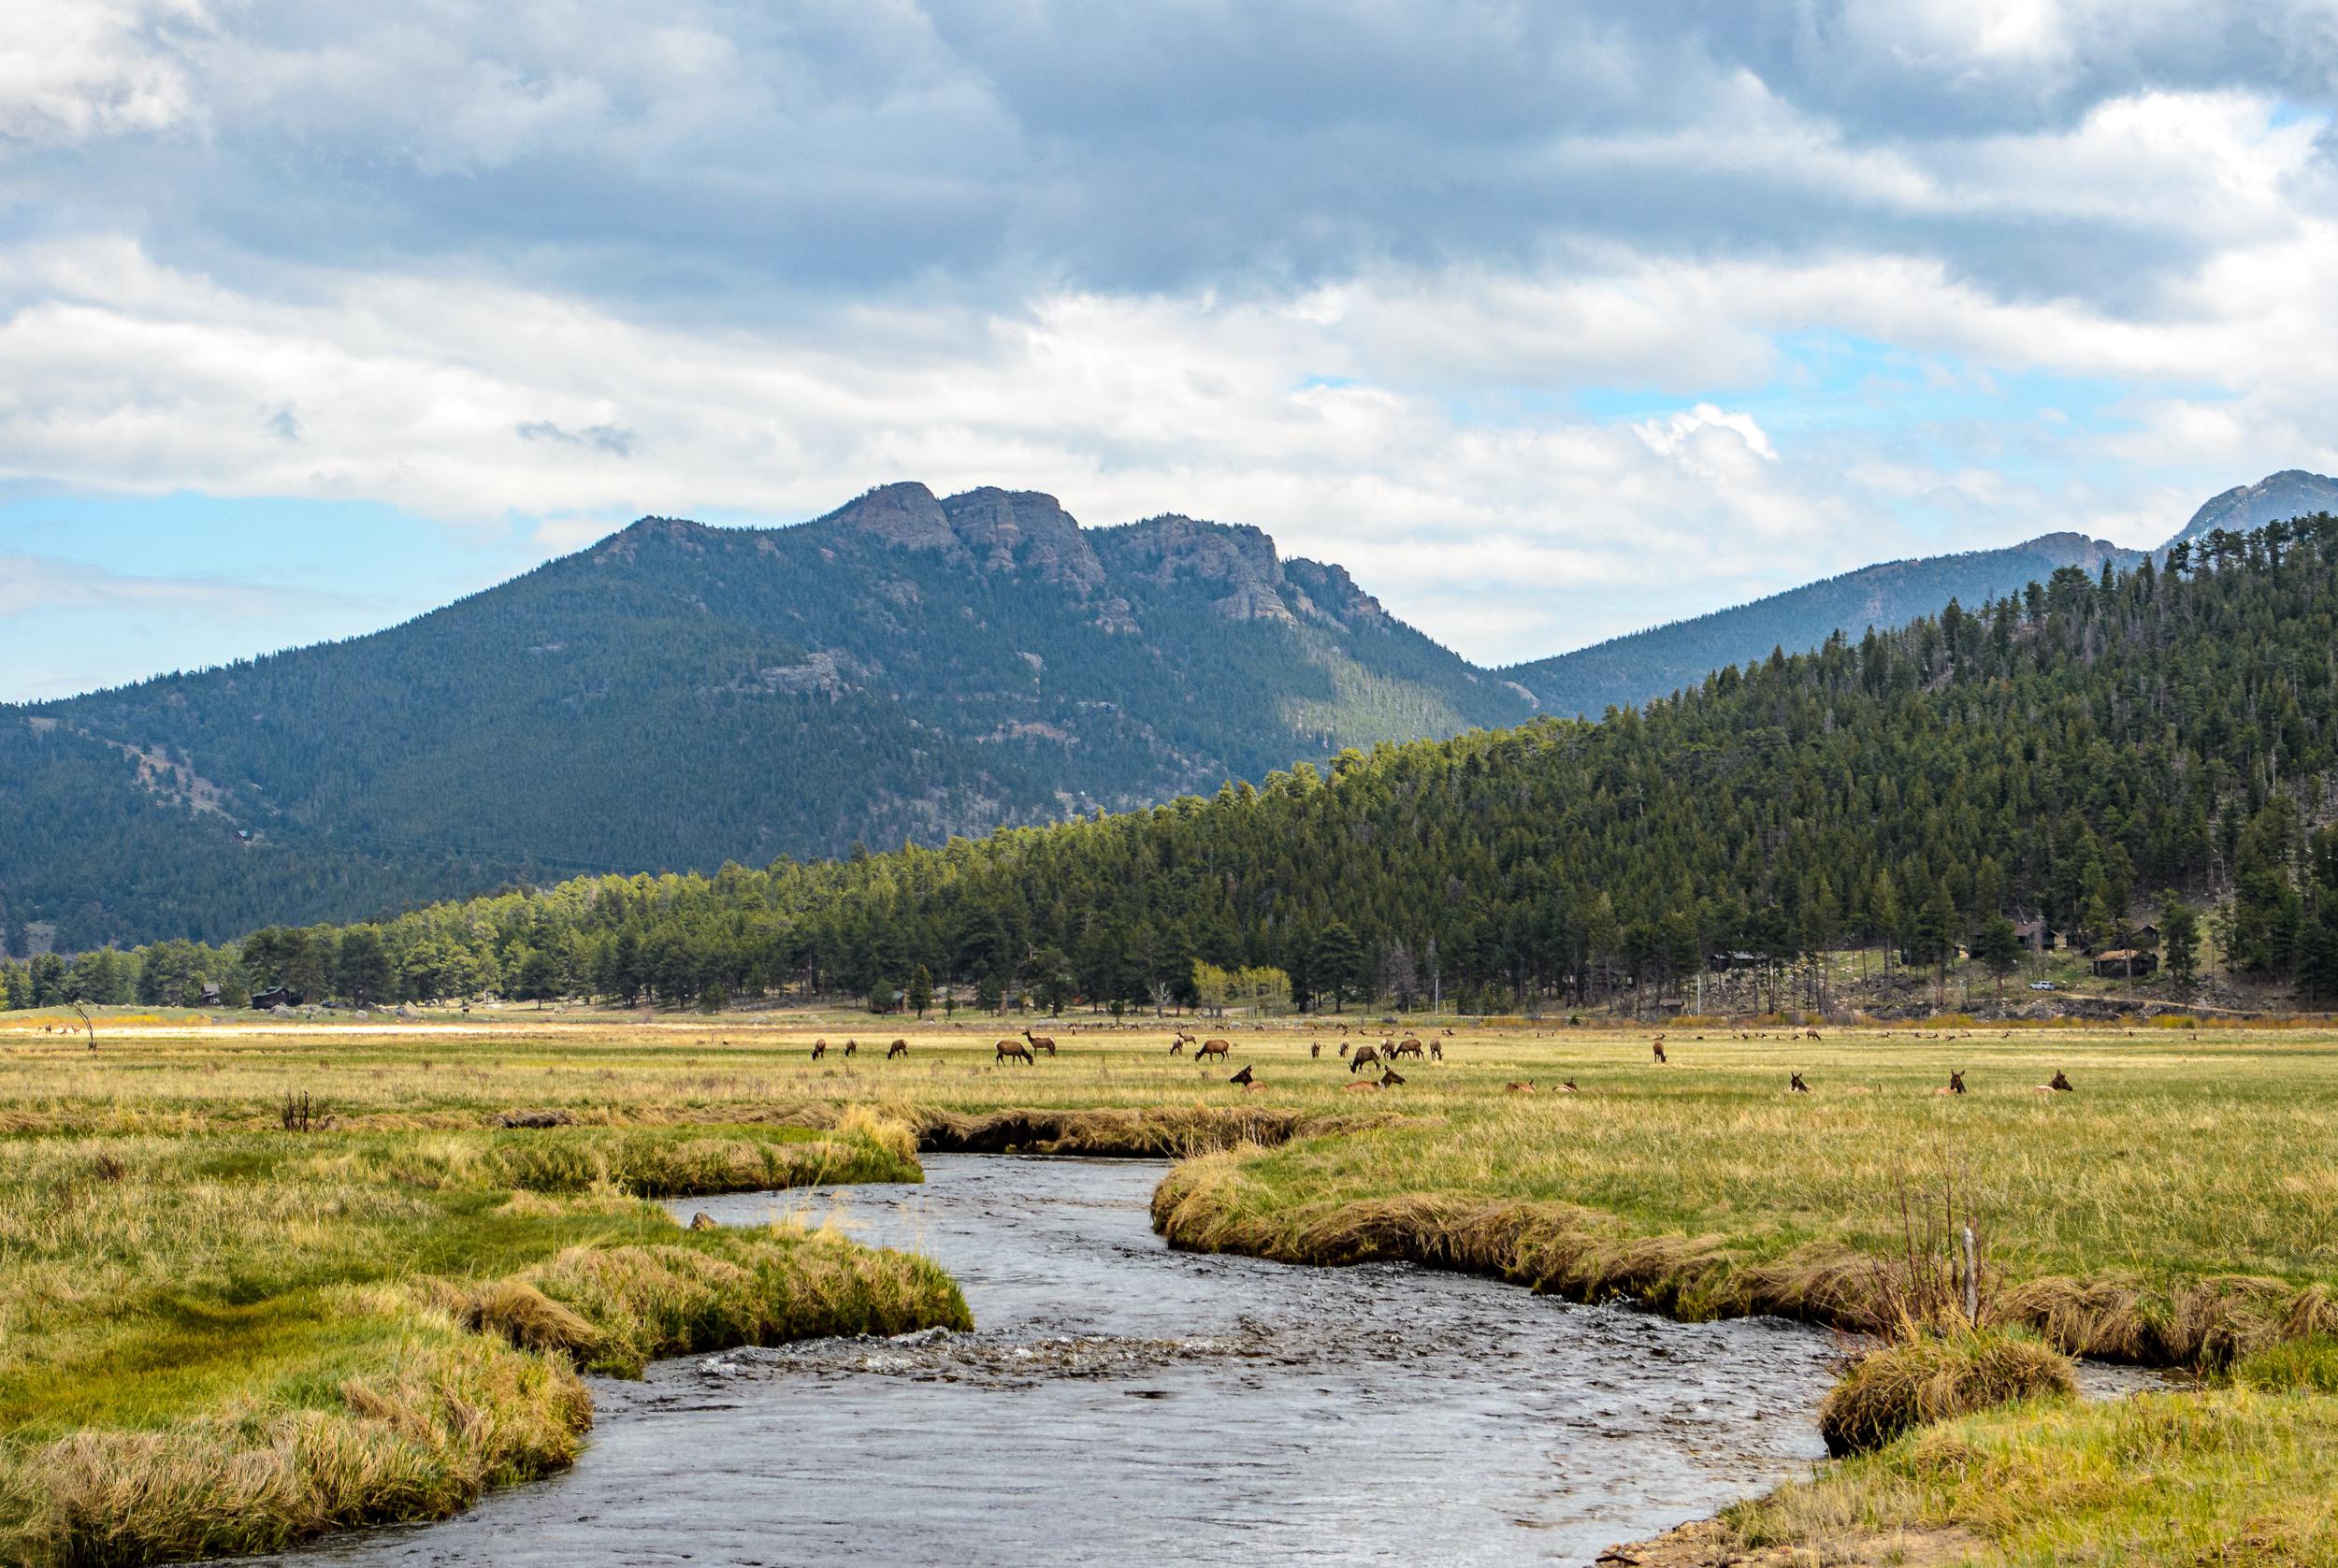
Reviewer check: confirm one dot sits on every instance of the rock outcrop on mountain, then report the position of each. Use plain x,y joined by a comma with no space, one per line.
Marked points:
2291,493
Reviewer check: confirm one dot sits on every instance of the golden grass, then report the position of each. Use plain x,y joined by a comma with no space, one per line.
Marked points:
1926,1375
2181,1206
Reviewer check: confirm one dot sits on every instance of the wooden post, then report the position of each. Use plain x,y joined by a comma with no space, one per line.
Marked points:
1972,1282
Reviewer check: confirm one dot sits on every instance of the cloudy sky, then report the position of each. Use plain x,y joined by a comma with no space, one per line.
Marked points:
1549,321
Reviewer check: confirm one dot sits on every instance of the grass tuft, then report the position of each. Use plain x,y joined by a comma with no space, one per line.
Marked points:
1930,1376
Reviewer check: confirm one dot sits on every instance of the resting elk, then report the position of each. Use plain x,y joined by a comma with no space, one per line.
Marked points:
2059,1086
1244,1078
898,1049
1795,1083
1389,1079
1955,1085
1015,1050
1519,1086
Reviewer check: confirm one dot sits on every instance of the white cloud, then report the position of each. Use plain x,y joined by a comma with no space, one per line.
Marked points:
1500,309
70,69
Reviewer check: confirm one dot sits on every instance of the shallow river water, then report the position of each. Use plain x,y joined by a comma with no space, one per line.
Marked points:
1121,1402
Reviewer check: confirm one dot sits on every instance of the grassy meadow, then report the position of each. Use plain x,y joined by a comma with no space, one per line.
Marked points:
217,1333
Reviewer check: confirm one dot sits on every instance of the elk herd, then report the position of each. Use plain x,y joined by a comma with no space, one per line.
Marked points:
1359,1056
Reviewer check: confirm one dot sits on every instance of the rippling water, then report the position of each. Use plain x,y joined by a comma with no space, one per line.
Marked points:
1121,1402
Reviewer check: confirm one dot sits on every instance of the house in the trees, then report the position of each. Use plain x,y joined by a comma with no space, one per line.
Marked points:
2121,963
1722,963
2037,936
210,993
2147,937
275,996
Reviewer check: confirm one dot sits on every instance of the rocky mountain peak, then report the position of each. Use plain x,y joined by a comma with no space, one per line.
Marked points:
1235,562
2291,493
1009,530
905,514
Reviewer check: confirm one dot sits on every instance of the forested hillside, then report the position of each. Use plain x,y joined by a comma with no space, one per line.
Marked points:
2072,751
1626,671
906,668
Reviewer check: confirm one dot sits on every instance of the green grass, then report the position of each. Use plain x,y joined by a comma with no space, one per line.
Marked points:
176,1271
225,1341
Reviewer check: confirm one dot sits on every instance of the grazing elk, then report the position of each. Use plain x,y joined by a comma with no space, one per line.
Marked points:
1040,1041
852,1049
1437,1050
1209,1048
1389,1079
1315,1049
1408,1046
1013,1050
1955,1085
819,1049
2059,1085
1342,1050
898,1049
1365,1056
1177,1047
1795,1083
1657,1045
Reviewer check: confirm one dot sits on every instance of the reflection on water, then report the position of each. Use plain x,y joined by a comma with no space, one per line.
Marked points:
1120,1403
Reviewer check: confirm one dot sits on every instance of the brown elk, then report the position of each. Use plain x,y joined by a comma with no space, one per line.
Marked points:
1041,1042
898,1049
1243,1077
819,1049
1408,1046
1369,1084
852,1048
2059,1085
1569,1087
1342,1050
1390,1079
1013,1050
1177,1047
1365,1056
1657,1045
1795,1083
1437,1050
1209,1048
1314,1048
1519,1086
1955,1085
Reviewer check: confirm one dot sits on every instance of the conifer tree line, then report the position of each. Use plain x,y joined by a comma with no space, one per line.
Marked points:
2089,751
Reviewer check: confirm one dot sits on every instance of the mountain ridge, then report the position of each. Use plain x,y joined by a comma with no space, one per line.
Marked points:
906,667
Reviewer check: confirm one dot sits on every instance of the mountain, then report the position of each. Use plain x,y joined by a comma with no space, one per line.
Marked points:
2068,754
1625,671
910,666
2291,493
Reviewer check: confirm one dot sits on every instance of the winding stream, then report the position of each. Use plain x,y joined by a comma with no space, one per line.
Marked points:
1124,1402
